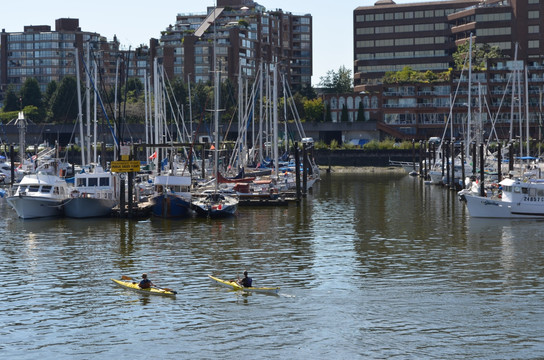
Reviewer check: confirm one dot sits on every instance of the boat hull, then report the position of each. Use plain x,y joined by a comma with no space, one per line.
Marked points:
88,207
134,286
484,207
171,206
235,286
31,207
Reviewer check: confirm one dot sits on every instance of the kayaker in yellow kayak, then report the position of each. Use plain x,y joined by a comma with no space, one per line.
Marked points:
246,281
145,283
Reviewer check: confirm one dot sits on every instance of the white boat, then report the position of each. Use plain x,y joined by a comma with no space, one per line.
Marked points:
513,198
95,194
215,204
39,195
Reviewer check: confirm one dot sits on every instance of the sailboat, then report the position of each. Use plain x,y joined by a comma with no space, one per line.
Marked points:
215,203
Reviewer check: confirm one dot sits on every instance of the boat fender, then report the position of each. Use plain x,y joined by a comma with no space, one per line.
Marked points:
74,194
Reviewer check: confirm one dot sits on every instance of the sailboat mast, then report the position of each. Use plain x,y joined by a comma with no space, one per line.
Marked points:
469,114
80,109
88,102
275,120
216,103
95,106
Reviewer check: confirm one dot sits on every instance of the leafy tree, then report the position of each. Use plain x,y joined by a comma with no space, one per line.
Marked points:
308,92
337,81
328,115
64,105
344,117
11,101
50,92
314,109
30,93
361,112
480,54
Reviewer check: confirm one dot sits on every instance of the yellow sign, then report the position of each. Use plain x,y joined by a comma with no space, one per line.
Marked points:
125,166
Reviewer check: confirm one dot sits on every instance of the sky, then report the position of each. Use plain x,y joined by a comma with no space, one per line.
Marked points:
135,22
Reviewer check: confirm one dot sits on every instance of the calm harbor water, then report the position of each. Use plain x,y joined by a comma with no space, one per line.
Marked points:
371,266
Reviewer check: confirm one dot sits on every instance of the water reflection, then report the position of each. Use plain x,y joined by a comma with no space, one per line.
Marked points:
370,266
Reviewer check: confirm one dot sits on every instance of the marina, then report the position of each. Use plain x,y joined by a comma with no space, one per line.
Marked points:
369,265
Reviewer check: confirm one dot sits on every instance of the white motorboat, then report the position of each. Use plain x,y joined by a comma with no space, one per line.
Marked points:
513,198
39,195
215,204
95,194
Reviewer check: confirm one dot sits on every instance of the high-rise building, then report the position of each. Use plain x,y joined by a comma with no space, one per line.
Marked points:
45,54
424,36
246,35
389,36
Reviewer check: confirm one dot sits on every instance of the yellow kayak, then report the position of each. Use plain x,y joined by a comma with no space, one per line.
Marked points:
233,285
153,290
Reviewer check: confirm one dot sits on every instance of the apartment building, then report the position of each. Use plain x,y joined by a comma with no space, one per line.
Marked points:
245,36
45,54
503,91
389,36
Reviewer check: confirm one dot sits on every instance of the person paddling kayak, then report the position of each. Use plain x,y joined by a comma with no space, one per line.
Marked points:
145,283
246,281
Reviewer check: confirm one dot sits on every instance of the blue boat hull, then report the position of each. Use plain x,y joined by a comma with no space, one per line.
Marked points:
171,206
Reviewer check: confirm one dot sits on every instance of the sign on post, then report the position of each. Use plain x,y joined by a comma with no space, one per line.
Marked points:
125,166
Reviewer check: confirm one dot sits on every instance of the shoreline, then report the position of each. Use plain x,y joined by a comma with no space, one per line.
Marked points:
364,169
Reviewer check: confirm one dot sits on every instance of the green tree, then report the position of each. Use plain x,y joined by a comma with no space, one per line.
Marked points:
64,107
481,53
50,92
314,109
328,115
344,117
30,93
11,101
337,81
361,112
308,92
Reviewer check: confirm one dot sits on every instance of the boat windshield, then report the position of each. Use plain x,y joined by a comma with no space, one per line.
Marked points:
33,188
46,189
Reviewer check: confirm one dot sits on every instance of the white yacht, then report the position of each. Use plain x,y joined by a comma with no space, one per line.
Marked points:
39,195
95,194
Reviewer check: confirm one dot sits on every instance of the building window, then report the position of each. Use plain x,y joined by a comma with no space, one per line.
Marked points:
367,43
534,44
365,31
384,30
403,42
404,28
369,17
533,14
534,29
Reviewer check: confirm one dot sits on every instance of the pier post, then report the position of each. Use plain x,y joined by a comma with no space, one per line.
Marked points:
12,157
474,158
297,171
446,159
463,165
510,159
304,169
203,157
482,188
452,182
499,165
122,195
414,154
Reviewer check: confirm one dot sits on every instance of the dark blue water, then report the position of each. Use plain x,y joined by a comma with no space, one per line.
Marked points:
371,266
